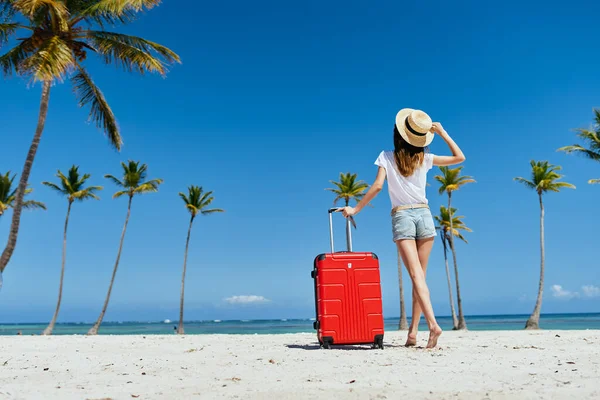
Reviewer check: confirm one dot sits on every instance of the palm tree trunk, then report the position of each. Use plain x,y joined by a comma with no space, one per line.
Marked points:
462,324
50,328
452,309
534,320
18,204
94,329
403,326
187,245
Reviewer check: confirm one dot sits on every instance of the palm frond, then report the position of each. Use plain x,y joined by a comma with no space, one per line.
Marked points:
114,180
117,8
192,209
7,11
212,211
87,193
52,60
12,61
556,186
132,53
33,205
185,199
89,11
590,136
206,198
100,112
6,187
7,29
54,187
148,187
578,149
65,182
525,182
55,9
121,193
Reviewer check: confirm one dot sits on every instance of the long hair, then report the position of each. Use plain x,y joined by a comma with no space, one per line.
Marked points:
408,157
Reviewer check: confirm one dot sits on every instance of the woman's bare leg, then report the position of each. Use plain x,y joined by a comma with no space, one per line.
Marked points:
410,257
424,247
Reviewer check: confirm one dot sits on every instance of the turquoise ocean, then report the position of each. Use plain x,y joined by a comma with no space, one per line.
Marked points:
280,326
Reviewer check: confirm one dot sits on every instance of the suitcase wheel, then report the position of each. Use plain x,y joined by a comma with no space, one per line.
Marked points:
326,345
378,343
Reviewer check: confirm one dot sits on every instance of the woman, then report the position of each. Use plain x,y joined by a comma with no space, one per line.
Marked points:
412,224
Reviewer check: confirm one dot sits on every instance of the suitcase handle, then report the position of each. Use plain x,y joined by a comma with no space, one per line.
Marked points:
348,229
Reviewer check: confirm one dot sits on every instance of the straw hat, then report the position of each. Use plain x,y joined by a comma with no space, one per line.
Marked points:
414,127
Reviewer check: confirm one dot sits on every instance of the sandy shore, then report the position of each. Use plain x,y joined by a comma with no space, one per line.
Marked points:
468,365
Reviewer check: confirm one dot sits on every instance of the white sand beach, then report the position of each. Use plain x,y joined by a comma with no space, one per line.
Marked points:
468,365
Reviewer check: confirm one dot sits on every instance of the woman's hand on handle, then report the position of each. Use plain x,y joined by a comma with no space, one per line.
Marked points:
370,195
348,212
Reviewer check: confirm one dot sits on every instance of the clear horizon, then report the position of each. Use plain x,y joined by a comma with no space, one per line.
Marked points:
286,319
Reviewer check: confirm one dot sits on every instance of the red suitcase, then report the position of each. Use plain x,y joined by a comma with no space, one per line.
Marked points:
347,296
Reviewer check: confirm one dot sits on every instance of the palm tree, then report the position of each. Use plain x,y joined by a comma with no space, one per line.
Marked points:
73,187
544,178
403,324
346,189
8,194
451,181
53,39
133,183
196,202
592,138
458,225
7,200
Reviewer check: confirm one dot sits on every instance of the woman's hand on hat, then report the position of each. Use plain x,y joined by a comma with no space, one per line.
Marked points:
348,211
437,127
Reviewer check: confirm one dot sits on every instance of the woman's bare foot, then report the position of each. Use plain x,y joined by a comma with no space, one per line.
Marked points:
411,340
434,334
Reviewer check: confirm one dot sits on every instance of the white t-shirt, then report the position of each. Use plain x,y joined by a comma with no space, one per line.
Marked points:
405,191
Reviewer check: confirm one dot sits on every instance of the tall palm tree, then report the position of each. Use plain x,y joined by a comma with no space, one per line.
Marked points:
403,324
53,39
450,181
196,201
8,194
591,137
133,184
458,225
348,188
73,187
544,178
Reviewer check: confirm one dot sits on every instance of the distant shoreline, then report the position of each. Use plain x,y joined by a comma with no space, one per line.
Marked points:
474,316
572,322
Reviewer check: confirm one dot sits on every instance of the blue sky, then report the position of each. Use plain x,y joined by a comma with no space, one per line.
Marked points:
271,102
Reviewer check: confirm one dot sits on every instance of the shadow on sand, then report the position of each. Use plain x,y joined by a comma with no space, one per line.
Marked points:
316,346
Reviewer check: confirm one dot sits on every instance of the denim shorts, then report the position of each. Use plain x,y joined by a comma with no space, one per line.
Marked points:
413,223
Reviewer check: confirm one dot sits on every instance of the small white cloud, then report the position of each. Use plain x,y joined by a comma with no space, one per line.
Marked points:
590,291
523,298
560,293
247,300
